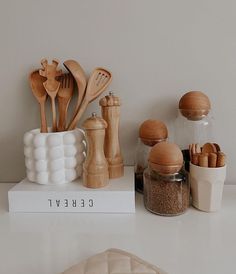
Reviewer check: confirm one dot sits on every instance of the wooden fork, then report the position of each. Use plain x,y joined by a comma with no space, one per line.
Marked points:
64,96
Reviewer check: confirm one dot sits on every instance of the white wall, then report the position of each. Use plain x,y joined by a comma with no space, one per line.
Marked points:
157,50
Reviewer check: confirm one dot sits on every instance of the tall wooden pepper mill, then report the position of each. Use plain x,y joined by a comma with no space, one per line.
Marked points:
110,106
95,167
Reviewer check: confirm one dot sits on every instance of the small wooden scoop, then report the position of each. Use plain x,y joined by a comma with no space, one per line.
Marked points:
36,83
98,82
78,73
51,85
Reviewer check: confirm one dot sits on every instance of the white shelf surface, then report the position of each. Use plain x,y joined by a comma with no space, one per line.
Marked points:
48,243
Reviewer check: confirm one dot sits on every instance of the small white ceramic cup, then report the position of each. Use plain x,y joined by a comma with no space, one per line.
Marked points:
207,187
54,157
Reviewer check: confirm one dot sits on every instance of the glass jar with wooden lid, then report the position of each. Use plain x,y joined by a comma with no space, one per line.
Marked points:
194,123
151,132
166,185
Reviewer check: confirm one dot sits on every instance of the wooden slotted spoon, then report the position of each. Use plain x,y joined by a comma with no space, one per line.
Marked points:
51,85
98,82
64,96
36,83
78,73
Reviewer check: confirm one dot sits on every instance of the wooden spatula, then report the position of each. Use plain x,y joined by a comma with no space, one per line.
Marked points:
36,83
78,73
98,82
51,85
64,96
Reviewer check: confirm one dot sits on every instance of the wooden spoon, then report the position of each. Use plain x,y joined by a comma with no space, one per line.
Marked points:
78,73
64,96
51,85
98,82
36,83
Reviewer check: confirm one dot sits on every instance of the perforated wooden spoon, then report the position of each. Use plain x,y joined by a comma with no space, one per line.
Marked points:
51,85
38,90
78,73
98,82
64,96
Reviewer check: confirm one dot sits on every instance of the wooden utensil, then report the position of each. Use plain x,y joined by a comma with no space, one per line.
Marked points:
78,73
209,148
64,96
36,83
51,85
98,82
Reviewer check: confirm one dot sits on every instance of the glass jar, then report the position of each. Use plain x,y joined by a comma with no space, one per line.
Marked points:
151,132
194,122
166,194
141,160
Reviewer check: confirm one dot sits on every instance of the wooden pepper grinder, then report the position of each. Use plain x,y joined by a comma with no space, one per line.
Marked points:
110,106
95,167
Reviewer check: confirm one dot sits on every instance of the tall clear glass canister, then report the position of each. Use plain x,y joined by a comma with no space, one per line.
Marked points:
194,123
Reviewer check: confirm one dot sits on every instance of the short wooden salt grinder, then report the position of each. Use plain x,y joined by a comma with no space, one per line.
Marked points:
110,107
95,167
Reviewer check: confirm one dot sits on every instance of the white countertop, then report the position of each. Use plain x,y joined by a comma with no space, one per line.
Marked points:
193,243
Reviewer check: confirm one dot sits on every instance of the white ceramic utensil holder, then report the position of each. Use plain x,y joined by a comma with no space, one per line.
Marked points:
54,157
207,187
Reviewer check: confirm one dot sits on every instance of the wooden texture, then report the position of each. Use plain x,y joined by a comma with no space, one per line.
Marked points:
98,82
209,148
166,158
64,96
194,105
110,107
212,159
51,85
203,160
153,131
95,167
79,75
221,159
38,90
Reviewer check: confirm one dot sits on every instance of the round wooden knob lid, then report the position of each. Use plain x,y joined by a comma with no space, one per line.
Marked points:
153,131
110,100
194,105
94,122
166,158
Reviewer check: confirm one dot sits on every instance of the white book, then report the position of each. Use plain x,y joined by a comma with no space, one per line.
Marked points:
117,197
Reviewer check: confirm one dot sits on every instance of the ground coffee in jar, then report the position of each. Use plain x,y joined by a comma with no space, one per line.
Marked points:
166,185
151,132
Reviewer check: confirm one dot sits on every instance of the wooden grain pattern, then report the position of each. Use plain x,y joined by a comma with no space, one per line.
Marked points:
194,105
38,90
95,167
63,97
110,108
51,85
98,82
166,158
80,78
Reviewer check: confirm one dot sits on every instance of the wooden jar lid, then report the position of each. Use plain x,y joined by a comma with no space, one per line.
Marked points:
94,122
194,105
110,100
166,158
152,131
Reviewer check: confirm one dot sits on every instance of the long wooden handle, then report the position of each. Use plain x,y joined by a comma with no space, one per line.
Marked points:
43,128
62,106
78,115
54,115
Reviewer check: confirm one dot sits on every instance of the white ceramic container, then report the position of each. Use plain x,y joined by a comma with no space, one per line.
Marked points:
207,187
54,157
